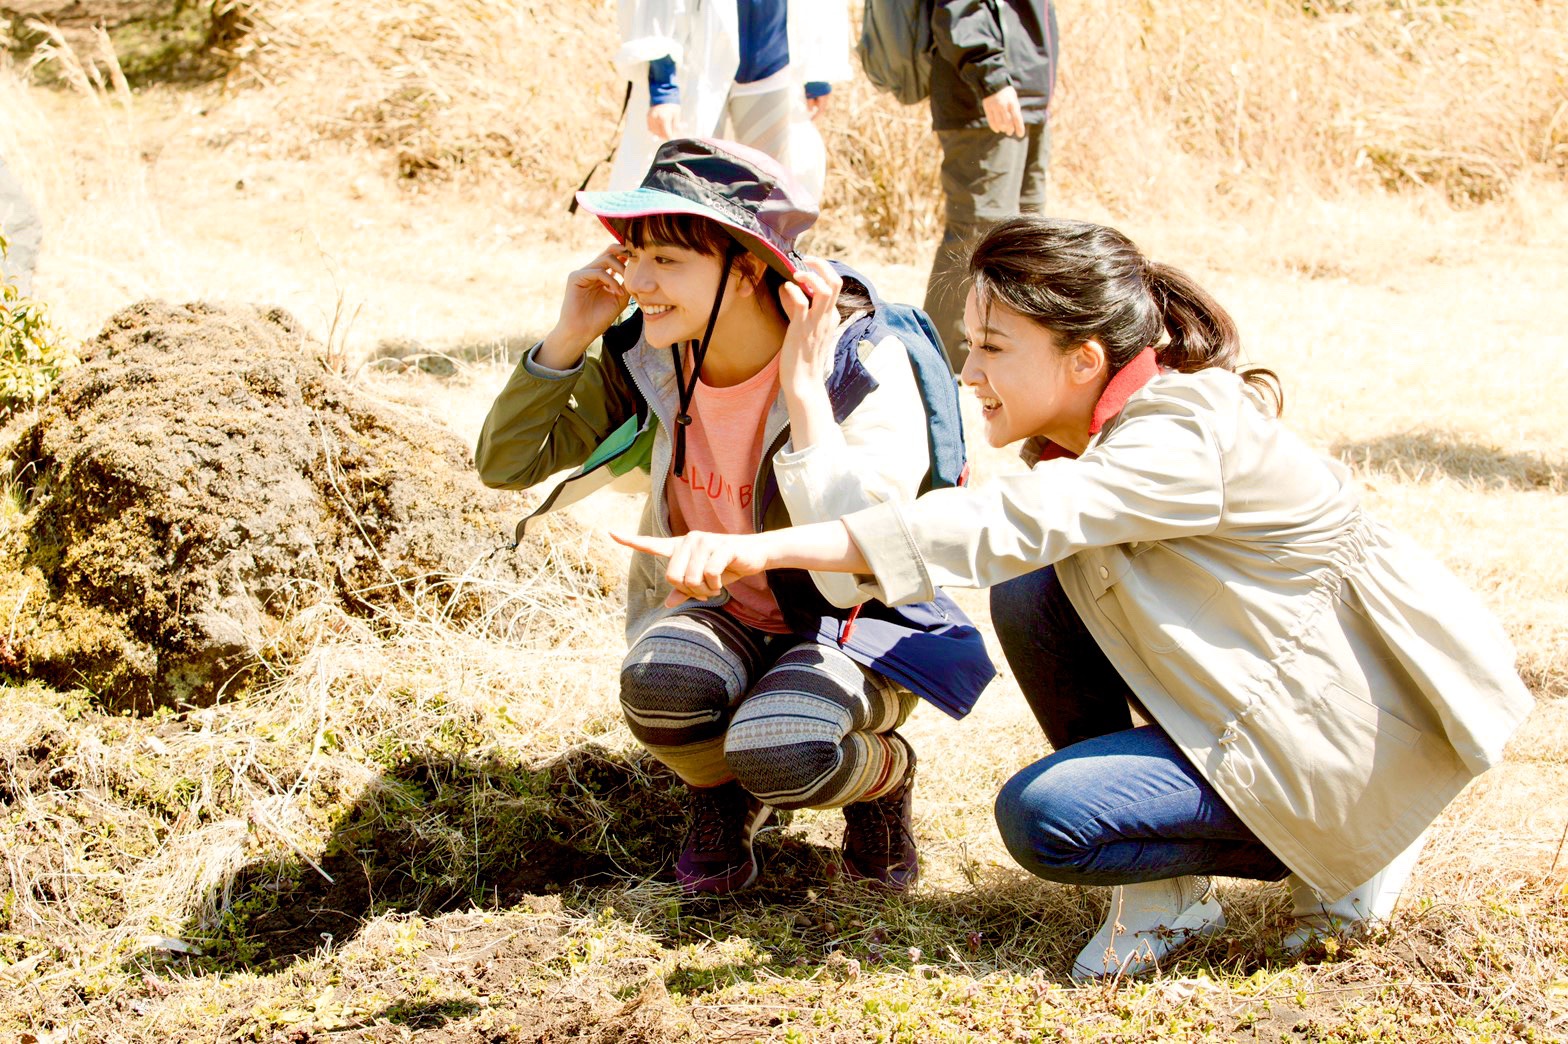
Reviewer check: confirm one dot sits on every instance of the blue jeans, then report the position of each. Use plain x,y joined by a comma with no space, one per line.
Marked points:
1114,804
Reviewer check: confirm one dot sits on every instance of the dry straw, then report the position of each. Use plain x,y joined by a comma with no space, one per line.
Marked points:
1161,102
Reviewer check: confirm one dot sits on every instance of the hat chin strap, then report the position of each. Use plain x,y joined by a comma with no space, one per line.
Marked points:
698,354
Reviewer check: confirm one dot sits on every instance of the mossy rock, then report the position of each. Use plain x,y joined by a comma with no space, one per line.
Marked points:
203,475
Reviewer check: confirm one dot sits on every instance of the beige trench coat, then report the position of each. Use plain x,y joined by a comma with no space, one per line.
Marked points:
1335,684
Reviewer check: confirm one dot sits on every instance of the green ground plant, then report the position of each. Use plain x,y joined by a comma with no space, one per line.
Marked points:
33,353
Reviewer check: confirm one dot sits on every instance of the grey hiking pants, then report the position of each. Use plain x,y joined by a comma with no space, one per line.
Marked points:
986,178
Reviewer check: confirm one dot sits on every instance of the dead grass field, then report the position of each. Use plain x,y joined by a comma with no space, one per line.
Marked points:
420,833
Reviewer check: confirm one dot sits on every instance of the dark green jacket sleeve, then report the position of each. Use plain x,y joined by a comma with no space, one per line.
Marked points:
543,422
968,36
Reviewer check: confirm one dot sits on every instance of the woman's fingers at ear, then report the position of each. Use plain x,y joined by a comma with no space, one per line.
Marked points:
796,304
825,271
824,278
818,282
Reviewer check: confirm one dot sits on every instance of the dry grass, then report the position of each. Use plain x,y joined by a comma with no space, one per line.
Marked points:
1163,103
443,86
120,828
1421,340
1243,97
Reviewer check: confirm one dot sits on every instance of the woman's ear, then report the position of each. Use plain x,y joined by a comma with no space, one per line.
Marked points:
751,273
1088,363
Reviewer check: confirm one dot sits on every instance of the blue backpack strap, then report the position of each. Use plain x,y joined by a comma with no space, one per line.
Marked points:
933,375
939,392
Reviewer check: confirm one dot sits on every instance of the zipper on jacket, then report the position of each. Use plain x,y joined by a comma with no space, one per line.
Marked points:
661,519
762,465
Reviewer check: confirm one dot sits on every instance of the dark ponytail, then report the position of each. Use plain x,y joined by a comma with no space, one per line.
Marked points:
1084,281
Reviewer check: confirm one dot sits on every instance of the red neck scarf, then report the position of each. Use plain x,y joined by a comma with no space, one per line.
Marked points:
1124,383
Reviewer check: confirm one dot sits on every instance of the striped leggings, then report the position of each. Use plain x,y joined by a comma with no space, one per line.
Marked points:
799,724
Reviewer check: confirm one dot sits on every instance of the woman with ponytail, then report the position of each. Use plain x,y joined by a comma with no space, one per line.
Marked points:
1314,688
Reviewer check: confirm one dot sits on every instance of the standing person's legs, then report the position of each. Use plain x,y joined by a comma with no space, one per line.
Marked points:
634,153
680,683
982,176
1037,166
1072,688
818,731
762,121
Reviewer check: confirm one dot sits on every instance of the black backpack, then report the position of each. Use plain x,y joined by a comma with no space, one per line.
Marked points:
895,48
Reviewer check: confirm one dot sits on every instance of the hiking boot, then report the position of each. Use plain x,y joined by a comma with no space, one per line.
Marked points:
879,838
717,857
1146,922
1362,910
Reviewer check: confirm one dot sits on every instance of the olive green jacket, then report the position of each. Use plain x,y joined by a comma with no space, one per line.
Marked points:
1334,683
610,416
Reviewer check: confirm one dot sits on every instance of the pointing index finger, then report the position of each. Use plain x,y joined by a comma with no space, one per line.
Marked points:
661,546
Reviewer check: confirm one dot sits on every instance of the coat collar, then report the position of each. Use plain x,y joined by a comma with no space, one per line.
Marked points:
1123,385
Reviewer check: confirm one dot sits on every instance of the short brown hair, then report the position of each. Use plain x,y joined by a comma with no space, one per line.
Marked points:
681,230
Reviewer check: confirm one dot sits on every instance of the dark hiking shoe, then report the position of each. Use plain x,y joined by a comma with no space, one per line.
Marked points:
879,839
717,857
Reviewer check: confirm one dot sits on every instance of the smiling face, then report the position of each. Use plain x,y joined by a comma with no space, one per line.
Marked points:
1026,384
674,288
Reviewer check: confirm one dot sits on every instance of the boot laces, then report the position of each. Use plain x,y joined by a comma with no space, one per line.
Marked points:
715,822
876,828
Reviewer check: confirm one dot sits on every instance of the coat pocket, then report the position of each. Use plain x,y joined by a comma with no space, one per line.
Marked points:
1340,774
1336,699
1160,591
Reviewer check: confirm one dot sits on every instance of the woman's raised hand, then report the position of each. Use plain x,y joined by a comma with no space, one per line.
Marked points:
702,564
810,304
595,295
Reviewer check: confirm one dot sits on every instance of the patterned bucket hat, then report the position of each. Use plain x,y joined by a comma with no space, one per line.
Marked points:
747,191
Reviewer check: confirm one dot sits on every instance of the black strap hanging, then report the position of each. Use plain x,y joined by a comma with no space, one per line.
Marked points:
571,208
688,388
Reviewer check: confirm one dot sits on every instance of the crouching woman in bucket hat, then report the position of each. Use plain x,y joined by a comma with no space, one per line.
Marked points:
756,390
1317,689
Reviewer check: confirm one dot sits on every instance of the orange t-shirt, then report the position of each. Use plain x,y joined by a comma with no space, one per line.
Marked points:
723,449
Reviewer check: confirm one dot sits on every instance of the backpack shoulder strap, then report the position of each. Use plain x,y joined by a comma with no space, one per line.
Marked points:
933,376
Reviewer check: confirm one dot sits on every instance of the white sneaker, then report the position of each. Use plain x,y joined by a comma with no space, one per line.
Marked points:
1355,913
1146,922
